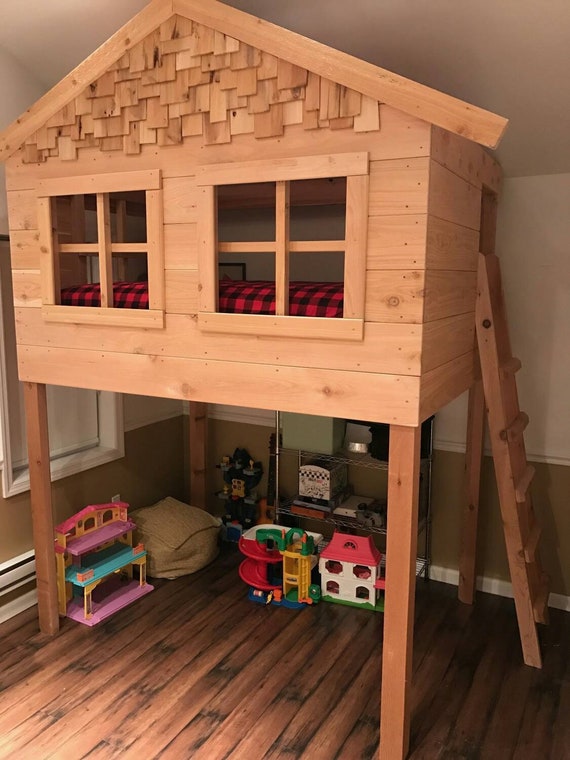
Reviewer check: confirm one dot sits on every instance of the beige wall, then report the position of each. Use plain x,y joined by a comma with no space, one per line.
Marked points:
153,467
551,497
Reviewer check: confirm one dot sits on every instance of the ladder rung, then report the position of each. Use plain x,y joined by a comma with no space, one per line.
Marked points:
540,604
521,487
516,428
511,366
532,543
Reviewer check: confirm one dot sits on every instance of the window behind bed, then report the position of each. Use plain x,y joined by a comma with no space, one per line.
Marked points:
102,245
300,225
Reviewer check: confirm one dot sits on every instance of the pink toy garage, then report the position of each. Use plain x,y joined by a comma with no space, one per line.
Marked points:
350,572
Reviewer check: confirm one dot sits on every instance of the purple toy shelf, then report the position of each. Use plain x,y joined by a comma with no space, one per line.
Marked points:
112,601
90,541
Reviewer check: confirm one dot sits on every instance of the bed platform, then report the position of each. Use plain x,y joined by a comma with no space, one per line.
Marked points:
198,137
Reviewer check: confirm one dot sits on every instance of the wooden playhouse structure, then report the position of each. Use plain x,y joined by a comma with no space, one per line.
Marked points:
126,185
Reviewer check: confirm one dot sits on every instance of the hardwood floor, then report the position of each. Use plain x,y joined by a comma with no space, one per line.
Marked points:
195,670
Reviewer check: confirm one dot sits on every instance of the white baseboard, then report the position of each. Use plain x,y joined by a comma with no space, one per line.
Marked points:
492,586
18,605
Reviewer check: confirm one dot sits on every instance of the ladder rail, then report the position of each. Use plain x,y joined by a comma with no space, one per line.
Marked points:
513,473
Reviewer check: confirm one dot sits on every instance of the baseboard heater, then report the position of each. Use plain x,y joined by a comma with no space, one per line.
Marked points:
14,574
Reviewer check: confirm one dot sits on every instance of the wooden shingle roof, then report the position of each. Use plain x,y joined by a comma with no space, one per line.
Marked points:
331,65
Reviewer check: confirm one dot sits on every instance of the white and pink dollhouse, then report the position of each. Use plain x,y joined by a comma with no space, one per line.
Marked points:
350,571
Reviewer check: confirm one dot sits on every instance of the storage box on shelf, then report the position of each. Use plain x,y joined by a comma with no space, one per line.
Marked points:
352,513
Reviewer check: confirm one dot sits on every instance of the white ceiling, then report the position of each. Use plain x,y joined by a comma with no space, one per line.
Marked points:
509,56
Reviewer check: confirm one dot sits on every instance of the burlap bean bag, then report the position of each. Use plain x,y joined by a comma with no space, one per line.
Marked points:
179,539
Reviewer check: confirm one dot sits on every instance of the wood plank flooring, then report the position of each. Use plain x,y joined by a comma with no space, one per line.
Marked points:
195,670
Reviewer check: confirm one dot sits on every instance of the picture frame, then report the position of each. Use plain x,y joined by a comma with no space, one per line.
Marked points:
233,271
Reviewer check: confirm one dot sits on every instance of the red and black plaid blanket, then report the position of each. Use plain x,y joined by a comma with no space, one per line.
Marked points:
306,299
126,295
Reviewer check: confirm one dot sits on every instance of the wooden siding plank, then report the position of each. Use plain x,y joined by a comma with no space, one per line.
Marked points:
401,136
447,338
101,183
25,249
387,348
399,186
379,84
448,293
395,296
441,385
397,242
180,200
181,246
466,159
452,198
355,252
181,291
278,170
26,287
451,246
293,389
22,210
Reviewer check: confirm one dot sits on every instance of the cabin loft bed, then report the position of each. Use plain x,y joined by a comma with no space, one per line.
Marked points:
197,138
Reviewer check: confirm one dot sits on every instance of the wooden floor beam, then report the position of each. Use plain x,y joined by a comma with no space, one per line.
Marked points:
401,547
40,496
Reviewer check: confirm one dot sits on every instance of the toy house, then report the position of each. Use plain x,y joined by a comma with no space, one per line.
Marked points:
125,182
350,571
95,557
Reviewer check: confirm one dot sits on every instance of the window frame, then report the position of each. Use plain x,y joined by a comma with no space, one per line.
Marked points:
101,185
110,407
353,166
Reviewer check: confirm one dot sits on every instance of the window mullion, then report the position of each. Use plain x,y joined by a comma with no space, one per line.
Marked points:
104,244
282,219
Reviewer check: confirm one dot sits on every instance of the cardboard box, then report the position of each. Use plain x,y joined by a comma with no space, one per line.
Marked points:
308,432
322,480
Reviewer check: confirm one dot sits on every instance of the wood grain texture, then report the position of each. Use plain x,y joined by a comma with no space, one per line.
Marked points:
401,136
42,518
401,546
331,393
203,658
377,83
389,347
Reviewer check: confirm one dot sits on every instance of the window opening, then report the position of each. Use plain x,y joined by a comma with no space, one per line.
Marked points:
290,237
100,241
333,566
298,228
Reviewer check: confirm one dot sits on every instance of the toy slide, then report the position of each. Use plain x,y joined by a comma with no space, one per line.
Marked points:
255,575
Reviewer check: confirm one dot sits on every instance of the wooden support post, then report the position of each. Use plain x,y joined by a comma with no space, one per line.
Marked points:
401,547
40,495
471,486
198,453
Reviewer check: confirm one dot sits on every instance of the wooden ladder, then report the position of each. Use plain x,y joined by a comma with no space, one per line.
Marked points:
513,473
